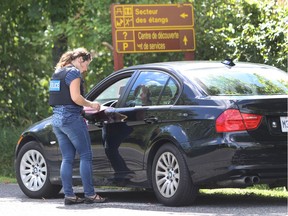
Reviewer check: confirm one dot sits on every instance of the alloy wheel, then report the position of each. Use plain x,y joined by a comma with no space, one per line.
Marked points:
33,170
167,174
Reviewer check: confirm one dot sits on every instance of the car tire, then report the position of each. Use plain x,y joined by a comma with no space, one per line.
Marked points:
32,172
171,179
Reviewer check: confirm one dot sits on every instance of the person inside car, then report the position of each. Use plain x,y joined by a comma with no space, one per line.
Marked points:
141,97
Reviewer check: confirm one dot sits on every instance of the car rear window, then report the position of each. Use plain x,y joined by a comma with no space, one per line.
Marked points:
240,81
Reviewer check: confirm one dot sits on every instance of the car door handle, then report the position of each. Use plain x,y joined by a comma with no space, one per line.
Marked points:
151,120
99,124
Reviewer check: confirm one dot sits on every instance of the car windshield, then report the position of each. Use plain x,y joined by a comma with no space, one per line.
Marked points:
240,81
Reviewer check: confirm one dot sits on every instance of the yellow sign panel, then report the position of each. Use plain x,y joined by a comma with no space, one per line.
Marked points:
153,28
151,40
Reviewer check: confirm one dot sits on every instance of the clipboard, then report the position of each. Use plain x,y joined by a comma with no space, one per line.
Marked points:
107,114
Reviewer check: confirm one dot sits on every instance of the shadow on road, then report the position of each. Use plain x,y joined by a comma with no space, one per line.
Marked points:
144,199
202,199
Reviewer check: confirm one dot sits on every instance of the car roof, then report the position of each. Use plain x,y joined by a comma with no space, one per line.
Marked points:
185,65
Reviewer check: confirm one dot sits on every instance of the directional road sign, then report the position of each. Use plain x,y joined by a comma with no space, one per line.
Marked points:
153,28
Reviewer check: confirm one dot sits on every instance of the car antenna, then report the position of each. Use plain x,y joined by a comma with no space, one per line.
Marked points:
229,62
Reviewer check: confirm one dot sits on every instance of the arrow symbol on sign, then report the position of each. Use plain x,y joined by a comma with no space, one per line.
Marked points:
185,40
184,15
140,46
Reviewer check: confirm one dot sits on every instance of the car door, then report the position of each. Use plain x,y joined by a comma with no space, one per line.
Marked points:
119,144
145,105
107,94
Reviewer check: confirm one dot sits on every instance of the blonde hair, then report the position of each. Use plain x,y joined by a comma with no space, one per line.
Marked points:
69,56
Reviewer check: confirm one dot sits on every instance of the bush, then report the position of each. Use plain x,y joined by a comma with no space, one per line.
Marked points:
8,139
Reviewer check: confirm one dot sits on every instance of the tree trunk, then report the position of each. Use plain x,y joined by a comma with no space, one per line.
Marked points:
59,14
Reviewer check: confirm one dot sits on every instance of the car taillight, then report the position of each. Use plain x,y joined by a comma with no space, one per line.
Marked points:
233,120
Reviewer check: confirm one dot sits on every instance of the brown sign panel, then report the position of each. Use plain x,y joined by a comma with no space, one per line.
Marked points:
150,40
158,15
153,28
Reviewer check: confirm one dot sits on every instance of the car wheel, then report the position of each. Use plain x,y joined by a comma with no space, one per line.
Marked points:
171,180
32,172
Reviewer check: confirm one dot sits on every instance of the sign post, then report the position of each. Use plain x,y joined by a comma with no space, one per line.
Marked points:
152,28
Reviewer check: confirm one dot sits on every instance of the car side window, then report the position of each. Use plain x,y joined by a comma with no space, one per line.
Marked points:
152,88
111,94
170,92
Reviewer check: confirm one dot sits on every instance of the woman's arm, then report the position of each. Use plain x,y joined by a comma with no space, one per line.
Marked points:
78,98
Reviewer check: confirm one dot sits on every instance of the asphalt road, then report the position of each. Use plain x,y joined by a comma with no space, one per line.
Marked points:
14,202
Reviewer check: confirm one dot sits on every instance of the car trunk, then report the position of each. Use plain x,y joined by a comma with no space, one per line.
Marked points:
273,126
266,158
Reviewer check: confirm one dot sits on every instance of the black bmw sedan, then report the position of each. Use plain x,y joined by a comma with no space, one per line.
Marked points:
173,127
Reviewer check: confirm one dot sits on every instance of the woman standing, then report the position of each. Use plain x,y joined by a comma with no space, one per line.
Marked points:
67,99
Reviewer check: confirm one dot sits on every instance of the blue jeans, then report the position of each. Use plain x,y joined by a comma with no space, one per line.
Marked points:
74,137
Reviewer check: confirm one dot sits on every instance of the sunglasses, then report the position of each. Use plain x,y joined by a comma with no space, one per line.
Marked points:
86,57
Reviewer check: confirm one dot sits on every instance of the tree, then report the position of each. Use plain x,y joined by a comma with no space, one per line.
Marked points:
23,61
254,31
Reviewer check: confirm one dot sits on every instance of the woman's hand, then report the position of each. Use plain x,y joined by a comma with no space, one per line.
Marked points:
95,105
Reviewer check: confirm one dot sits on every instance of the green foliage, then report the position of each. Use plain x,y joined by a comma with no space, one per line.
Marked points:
35,33
22,63
254,31
8,139
264,34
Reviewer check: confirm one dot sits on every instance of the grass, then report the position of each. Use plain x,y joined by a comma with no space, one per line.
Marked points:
7,180
280,192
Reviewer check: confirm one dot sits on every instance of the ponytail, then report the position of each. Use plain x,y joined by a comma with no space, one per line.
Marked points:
69,56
